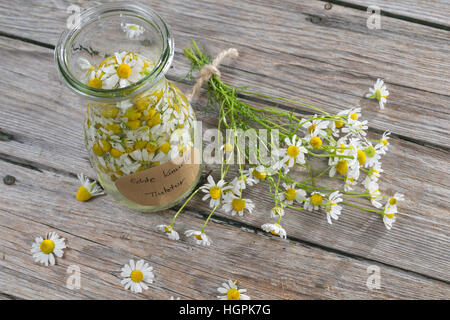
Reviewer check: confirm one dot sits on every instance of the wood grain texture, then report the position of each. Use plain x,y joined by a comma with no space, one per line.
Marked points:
102,236
434,11
323,57
53,141
326,58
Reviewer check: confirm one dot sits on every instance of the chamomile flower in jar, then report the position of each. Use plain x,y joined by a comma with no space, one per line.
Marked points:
139,127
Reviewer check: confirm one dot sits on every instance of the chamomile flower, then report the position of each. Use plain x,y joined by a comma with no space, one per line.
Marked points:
200,237
171,233
332,208
132,30
373,175
45,249
258,173
275,229
314,201
383,146
292,154
277,212
231,292
315,127
292,194
379,92
351,180
237,205
390,210
214,191
374,194
240,183
88,189
391,205
371,155
137,276
127,69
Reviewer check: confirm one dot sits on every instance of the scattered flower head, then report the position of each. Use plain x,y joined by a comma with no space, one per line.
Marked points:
200,237
137,276
88,189
275,229
379,92
231,292
214,191
167,229
45,249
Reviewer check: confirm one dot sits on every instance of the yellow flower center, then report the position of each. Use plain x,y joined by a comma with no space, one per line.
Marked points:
116,153
98,150
134,124
154,120
165,147
361,157
316,142
215,192
123,71
114,127
47,246
106,146
95,83
83,194
233,294
390,215
342,148
378,94
338,123
198,236
259,175
137,275
167,229
392,201
109,111
384,141
274,232
291,194
151,147
238,204
342,167
311,128
354,116
370,152
228,147
293,151
316,199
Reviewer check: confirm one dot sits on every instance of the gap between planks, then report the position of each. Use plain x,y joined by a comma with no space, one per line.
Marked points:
198,213
251,98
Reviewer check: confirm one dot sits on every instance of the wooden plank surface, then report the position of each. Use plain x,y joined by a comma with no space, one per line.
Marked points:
54,140
47,146
429,11
322,57
102,237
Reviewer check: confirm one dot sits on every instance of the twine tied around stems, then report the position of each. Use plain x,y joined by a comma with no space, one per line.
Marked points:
211,69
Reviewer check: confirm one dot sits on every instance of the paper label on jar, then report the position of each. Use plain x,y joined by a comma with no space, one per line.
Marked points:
162,184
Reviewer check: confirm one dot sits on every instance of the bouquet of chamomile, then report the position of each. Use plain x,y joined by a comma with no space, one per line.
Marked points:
306,150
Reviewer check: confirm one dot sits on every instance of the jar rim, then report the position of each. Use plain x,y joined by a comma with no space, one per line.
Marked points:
107,10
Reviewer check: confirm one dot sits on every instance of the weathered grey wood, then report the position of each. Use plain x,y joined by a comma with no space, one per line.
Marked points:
53,139
102,236
322,57
434,11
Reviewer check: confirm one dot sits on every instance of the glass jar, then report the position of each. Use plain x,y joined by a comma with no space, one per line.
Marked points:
138,125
